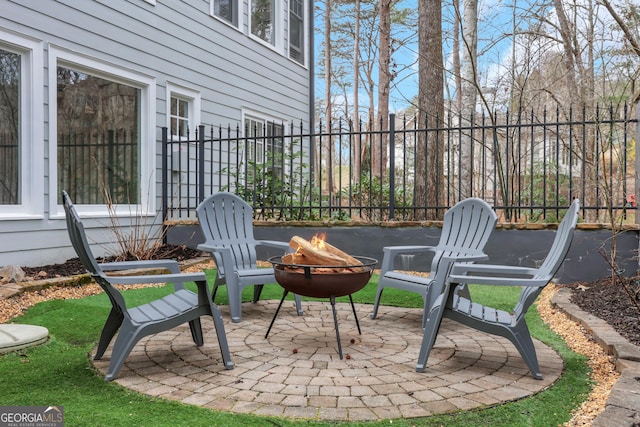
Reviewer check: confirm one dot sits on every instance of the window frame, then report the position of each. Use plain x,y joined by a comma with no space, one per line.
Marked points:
265,120
279,23
236,25
193,99
304,25
31,129
59,56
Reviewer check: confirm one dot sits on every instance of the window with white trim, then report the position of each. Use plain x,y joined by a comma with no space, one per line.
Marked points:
183,111
264,20
10,120
179,117
101,132
296,30
21,147
226,10
264,146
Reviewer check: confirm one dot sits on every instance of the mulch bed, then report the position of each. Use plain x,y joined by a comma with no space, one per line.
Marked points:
616,302
74,266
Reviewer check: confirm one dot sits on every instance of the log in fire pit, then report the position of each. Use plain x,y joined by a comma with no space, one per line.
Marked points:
321,271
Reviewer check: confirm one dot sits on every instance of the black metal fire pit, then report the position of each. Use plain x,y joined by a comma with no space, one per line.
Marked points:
322,281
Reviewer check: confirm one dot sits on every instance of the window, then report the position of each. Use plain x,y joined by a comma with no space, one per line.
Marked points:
98,138
264,147
21,139
263,20
10,119
296,30
183,111
103,150
179,117
226,10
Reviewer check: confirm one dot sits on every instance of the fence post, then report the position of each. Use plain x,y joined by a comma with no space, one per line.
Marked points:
200,171
165,184
637,183
392,165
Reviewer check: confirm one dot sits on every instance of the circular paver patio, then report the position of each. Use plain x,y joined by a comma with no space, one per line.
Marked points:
297,371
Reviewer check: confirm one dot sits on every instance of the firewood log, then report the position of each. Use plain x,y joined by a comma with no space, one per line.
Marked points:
351,261
310,255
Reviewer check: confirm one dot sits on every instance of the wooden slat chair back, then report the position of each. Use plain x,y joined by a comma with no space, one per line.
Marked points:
181,306
511,325
466,229
226,222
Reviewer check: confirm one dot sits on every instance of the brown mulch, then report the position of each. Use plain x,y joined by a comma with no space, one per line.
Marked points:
74,266
615,301
608,301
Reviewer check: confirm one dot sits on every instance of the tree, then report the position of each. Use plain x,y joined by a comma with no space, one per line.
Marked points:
429,147
468,92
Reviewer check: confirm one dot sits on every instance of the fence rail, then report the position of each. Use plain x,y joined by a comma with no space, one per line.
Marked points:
528,165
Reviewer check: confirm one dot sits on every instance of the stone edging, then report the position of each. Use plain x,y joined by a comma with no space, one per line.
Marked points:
623,405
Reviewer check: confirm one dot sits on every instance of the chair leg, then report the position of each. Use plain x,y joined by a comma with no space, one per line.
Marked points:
432,325
222,336
376,302
235,302
111,326
196,331
126,340
521,338
296,297
257,291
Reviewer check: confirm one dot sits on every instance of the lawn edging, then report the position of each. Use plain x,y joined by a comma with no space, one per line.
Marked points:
623,405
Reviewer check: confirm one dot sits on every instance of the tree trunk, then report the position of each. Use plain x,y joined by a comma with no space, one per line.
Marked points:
379,150
357,149
327,143
469,94
429,145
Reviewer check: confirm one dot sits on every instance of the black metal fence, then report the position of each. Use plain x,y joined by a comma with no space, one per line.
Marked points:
528,165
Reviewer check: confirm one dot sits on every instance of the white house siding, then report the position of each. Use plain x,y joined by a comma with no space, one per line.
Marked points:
170,42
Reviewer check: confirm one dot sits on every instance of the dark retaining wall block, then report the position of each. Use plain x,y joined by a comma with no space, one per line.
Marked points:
513,245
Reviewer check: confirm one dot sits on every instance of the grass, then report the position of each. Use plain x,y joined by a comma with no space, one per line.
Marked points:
60,373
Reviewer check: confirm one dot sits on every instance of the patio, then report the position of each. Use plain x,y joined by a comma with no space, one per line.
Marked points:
297,373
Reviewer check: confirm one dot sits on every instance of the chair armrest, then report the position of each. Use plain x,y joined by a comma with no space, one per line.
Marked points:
168,264
390,253
493,269
157,278
228,263
500,275
275,244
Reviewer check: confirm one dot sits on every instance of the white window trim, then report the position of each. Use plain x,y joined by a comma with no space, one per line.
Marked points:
241,6
31,126
194,99
147,85
305,39
280,24
254,114
153,2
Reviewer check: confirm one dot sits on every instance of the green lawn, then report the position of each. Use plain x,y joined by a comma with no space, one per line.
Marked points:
60,373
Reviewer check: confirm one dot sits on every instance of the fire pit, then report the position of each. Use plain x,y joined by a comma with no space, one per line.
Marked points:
323,281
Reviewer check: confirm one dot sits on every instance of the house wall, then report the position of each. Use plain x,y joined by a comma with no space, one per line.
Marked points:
163,44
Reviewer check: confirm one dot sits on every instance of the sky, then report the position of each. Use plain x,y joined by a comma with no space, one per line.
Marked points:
496,49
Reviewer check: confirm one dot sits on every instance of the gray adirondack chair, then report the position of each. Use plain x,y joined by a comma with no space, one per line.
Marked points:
459,307
227,224
166,313
465,231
